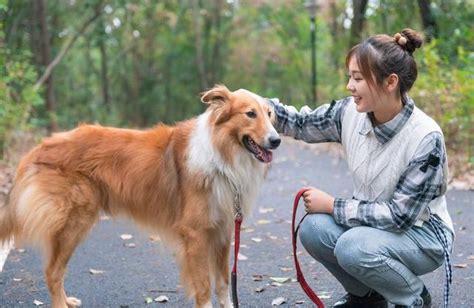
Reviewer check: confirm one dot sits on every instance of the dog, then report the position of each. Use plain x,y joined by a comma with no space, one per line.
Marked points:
180,181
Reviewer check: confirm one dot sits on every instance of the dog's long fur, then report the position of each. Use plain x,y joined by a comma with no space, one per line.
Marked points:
179,181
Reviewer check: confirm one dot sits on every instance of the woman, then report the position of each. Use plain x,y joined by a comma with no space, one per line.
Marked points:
396,226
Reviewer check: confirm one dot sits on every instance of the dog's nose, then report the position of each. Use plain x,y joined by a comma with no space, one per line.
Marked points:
275,142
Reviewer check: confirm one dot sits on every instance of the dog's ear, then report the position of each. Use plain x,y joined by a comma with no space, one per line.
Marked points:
216,96
216,99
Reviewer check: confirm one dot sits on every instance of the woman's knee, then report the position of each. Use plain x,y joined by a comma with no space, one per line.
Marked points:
319,233
356,249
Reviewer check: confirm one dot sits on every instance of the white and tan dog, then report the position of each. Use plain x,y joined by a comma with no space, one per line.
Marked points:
179,181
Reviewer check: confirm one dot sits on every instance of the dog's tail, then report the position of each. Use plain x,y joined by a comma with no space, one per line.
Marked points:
7,221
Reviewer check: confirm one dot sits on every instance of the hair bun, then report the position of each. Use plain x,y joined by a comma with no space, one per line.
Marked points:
409,40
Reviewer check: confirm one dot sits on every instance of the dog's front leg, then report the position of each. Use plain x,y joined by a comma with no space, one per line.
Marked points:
220,264
195,265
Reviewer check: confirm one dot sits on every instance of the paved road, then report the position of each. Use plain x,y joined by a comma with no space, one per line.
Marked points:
141,268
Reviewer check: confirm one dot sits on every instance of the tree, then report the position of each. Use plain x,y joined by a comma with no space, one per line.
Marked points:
357,25
430,26
39,16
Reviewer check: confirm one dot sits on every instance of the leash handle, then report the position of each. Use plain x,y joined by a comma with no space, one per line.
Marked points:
233,278
299,274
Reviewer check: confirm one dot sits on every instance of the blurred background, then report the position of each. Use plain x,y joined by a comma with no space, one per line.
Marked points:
135,63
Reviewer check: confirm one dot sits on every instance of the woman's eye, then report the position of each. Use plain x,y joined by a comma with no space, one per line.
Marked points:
251,114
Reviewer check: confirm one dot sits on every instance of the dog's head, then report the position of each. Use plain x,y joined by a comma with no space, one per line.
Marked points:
245,118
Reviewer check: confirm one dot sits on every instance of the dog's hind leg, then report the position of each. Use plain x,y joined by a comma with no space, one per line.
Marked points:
67,230
61,246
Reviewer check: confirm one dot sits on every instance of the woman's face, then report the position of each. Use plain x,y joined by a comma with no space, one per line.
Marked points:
364,98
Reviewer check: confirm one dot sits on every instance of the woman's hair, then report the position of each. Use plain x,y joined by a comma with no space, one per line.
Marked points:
382,55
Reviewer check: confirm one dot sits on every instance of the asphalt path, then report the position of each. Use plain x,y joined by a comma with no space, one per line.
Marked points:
112,270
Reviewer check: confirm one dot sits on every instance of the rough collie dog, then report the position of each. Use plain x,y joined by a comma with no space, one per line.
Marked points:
180,181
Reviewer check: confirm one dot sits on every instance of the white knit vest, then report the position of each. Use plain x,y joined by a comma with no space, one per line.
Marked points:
376,168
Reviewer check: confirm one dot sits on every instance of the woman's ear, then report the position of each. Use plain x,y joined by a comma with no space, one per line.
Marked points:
391,83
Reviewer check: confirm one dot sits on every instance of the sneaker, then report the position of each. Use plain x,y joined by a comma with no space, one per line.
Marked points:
371,300
425,295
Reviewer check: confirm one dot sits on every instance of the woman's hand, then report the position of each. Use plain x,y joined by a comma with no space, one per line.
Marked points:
318,201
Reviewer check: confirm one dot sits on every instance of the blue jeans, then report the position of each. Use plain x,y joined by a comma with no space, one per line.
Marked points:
365,258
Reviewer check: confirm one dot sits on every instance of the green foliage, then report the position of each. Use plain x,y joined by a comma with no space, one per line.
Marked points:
17,96
446,92
144,62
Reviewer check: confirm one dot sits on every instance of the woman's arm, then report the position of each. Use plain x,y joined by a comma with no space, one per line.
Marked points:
420,183
322,124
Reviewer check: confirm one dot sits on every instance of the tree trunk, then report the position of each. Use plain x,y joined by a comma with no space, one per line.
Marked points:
334,33
40,13
104,74
201,65
429,22
215,71
359,7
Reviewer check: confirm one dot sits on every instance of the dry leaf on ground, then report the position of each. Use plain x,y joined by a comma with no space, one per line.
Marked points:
126,236
241,257
280,279
278,301
95,272
162,299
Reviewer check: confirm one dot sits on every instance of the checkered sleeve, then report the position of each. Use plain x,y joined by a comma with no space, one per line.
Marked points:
322,124
421,182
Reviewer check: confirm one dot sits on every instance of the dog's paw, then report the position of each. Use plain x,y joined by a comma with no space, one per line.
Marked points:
73,302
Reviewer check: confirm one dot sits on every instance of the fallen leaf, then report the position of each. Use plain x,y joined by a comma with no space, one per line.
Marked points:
272,237
460,265
280,279
38,303
130,245
104,217
241,257
263,210
148,300
126,236
17,279
95,272
256,239
324,295
276,284
248,230
162,299
300,302
257,277
259,290
21,250
278,301
470,257
155,238
286,269
263,222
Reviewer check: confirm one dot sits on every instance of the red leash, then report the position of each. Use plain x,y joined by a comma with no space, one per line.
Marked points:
238,223
299,273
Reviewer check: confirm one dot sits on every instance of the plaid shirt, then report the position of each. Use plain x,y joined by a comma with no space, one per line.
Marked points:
417,186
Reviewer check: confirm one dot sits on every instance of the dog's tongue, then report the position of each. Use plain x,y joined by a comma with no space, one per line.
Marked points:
267,156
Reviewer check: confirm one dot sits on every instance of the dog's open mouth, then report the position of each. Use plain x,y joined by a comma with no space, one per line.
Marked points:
260,153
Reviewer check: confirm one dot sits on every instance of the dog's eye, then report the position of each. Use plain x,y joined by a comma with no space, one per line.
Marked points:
251,114
269,114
